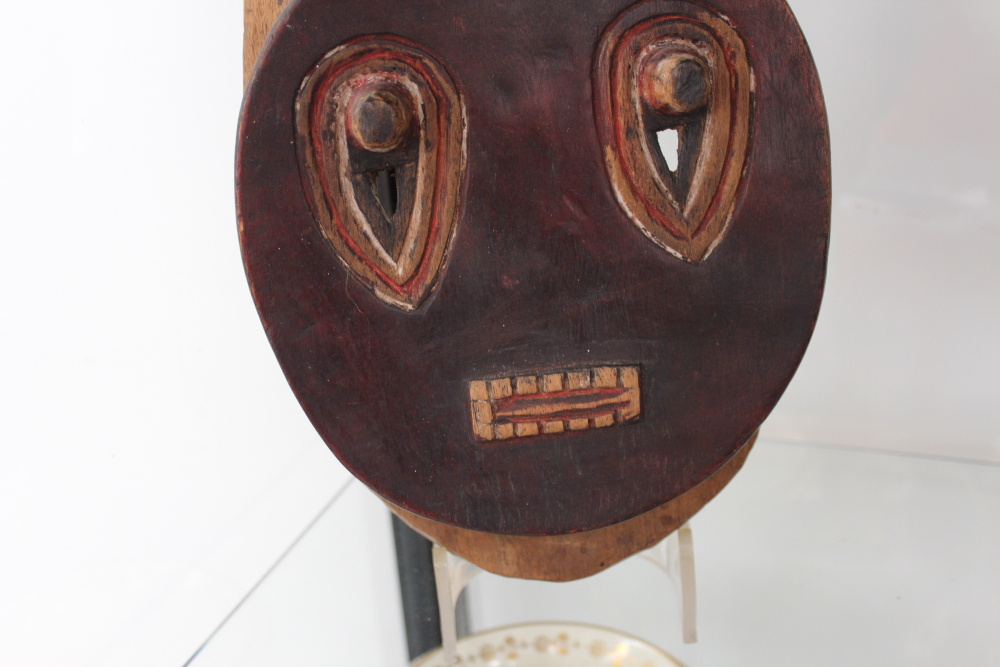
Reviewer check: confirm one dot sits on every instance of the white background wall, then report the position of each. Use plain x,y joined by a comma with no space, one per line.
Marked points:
153,463
905,354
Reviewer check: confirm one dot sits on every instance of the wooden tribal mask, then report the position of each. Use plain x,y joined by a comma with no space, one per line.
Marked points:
536,269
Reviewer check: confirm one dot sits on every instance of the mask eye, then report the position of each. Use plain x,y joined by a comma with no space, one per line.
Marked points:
673,113
381,146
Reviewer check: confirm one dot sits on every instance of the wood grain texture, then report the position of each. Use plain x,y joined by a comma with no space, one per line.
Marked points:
258,18
546,272
578,555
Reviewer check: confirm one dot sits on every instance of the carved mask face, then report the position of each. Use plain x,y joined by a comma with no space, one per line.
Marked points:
534,268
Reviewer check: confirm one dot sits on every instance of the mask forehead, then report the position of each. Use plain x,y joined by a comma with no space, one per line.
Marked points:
551,303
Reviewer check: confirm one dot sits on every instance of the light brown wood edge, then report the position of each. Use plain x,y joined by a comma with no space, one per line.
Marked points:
259,17
577,555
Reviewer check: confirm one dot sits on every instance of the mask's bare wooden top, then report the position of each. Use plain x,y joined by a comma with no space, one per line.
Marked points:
258,18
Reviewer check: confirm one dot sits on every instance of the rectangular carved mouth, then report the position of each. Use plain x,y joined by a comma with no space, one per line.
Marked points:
525,405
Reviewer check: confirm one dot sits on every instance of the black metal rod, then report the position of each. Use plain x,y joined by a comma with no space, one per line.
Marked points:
419,592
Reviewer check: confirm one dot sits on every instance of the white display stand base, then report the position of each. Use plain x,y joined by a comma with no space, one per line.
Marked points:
552,645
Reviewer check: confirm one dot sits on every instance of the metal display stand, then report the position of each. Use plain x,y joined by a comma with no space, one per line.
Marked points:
674,555
421,610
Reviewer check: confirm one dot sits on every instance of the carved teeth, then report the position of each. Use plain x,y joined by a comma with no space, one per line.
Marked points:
575,400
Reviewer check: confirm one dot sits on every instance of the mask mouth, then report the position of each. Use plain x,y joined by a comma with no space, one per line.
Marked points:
575,400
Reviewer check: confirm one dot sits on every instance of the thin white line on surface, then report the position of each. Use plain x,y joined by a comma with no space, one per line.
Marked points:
271,569
879,450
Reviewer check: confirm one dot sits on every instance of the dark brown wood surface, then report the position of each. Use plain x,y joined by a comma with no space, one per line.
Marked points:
576,555
546,272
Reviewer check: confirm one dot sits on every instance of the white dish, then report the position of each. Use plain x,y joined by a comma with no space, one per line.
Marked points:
552,645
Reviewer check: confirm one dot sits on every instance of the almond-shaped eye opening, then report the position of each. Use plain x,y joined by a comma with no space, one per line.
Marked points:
673,109
381,146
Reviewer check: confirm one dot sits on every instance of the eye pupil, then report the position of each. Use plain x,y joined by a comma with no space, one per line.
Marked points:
674,84
380,118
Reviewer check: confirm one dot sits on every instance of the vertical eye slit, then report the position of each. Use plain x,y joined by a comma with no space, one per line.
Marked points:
672,105
381,145
385,189
669,143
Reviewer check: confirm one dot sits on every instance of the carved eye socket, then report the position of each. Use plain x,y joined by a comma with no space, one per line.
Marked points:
381,147
673,114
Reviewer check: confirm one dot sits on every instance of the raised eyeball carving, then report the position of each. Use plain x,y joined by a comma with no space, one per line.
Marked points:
380,116
682,69
381,147
673,83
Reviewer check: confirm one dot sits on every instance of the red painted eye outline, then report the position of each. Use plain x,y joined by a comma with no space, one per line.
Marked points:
662,67
381,139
